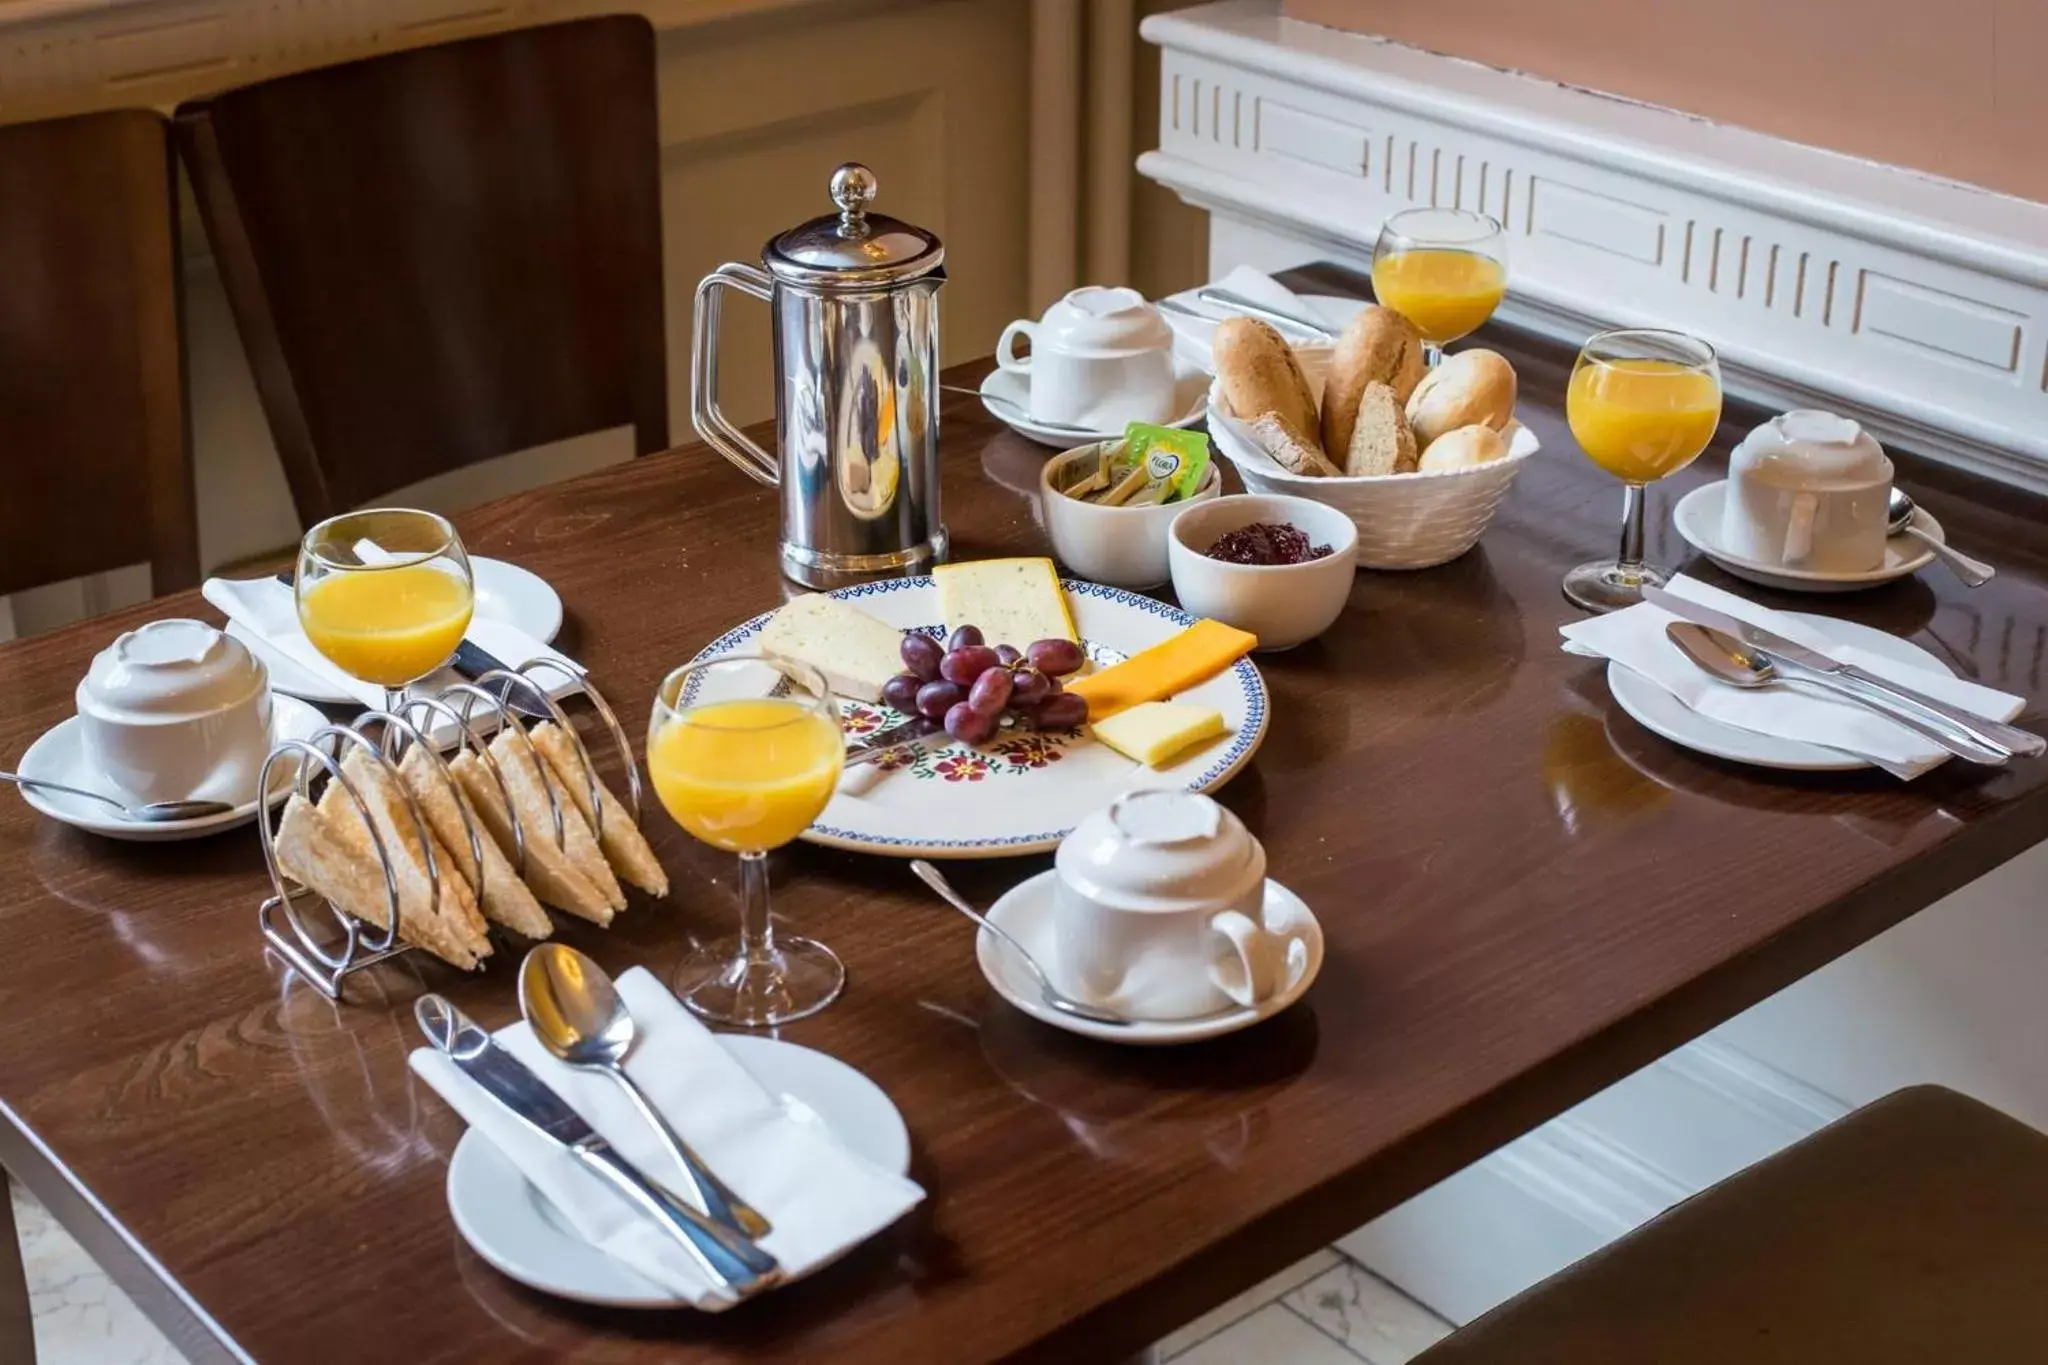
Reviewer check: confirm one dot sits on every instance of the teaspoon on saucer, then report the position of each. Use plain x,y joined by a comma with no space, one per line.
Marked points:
1899,511
1053,997
155,812
1016,410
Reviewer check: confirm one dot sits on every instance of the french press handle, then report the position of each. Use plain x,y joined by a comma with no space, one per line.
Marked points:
718,432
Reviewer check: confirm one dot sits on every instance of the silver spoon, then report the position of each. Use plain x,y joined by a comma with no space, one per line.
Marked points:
1017,412
1728,659
1053,997
155,813
1975,573
575,1011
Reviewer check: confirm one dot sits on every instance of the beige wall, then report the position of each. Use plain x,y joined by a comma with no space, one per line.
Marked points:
1956,87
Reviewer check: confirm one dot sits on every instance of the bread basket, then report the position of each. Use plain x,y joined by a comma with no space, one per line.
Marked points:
1405,521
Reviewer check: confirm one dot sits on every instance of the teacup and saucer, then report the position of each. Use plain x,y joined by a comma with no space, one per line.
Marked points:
1100,358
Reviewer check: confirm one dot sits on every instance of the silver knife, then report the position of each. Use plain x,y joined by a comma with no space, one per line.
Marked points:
1227,298
732,1261
1856,682
895,737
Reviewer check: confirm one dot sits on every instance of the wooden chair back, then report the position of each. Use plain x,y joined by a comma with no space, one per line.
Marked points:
440,256
94,445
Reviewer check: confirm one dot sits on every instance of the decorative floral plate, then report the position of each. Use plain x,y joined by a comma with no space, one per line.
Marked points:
1022,793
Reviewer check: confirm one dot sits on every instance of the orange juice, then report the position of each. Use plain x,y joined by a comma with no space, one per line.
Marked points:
1642,419
747,775
388,626
1445,293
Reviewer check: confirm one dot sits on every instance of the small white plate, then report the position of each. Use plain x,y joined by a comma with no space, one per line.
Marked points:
1664,714
510,1224
59,756
1025,913
504,592
1191,399
1698,519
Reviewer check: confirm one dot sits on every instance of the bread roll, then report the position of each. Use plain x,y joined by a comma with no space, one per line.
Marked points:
1378,347
1467,388
1381,442
1464,448
1285,445
1260,375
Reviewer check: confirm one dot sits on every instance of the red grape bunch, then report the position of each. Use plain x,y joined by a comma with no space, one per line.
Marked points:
970,685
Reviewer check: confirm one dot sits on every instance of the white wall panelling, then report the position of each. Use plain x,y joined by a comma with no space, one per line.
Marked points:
1917,305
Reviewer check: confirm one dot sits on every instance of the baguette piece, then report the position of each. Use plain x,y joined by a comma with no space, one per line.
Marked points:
505,899
1286,446
1381,442
1260,375
1471,387
549,873
1465,448
624,846
313,851
1379,346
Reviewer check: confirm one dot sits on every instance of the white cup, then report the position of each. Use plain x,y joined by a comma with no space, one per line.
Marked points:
1100,358
176,711
1158,911
1808,490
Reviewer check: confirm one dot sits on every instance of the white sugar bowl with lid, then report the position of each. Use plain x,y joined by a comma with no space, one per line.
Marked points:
1808,490
176,711
1158,911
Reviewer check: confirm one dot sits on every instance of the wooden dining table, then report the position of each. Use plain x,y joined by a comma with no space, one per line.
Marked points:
1525,896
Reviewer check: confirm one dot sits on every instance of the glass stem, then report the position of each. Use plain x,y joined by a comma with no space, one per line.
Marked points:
1432,355
757,935
1631,556
394,701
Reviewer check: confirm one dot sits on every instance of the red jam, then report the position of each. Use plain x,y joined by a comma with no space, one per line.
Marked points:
1265,542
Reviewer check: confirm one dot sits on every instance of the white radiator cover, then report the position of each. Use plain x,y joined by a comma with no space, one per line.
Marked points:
1916,305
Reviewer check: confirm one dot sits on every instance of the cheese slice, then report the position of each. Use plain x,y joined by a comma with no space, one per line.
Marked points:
1201,651
1013,601
855,652
1156,732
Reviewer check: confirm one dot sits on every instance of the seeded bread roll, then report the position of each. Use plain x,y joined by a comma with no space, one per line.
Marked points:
1260,375
1378,347
1463,449
1471,387
1381,442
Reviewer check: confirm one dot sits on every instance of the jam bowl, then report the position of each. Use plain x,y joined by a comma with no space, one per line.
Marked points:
1284,604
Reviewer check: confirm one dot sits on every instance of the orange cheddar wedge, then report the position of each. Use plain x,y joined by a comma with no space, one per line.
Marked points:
1200,652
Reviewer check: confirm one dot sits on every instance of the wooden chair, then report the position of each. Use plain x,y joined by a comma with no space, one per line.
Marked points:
440,256
94,445
1914,1230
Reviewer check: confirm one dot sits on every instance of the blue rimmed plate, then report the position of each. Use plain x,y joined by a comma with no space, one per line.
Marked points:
1023,793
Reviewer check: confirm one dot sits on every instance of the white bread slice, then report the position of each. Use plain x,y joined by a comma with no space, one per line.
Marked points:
624,845
313,851
1381,442
505,899
549,873
457,907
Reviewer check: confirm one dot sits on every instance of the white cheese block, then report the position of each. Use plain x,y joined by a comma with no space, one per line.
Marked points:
1013,601
855,652
1156,732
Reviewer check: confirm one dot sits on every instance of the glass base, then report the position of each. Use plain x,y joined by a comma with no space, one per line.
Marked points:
1604,585
794,979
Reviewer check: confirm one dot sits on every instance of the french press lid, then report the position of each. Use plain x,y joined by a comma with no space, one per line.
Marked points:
853,249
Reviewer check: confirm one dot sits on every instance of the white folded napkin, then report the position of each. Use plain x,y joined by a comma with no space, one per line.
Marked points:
1635,639
1191,336
820,1197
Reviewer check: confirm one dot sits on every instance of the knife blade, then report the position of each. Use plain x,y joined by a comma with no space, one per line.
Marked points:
1995,734
733,1262
895,737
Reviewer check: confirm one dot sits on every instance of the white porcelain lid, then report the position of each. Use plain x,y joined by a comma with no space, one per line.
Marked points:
1104,321
1809,448
168,669
1161,850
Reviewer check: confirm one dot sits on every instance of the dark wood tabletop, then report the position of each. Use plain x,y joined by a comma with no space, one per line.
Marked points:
1525,897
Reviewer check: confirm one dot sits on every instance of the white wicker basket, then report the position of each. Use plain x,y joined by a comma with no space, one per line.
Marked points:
1405,521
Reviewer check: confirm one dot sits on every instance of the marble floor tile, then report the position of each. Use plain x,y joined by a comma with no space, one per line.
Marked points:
1273,1335
1247,1303
1374,1319
81,1318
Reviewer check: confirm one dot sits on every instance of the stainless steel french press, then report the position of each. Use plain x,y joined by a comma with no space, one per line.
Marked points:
856,313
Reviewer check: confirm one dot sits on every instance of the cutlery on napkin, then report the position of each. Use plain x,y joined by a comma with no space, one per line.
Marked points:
1635,639
1194,327
820,1197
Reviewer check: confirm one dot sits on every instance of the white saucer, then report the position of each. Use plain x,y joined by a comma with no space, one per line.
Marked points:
1191,397
1698,519
59,756
504,592
1664,714
1025,913
508,1223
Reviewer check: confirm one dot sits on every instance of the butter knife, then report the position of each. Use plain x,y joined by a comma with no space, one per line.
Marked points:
891,739
733,1262
1855,682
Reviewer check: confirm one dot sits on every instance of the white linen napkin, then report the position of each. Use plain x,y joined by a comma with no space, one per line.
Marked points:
1191,336
1635,639
820,1197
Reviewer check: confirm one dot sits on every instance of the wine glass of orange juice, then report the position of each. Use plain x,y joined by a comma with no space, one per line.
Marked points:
744,752
385,595
1443,269
1643,404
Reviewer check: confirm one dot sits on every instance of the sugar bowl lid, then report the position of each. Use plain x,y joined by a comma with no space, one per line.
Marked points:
853,249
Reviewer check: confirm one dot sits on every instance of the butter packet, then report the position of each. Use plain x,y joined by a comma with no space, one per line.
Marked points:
1175,462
